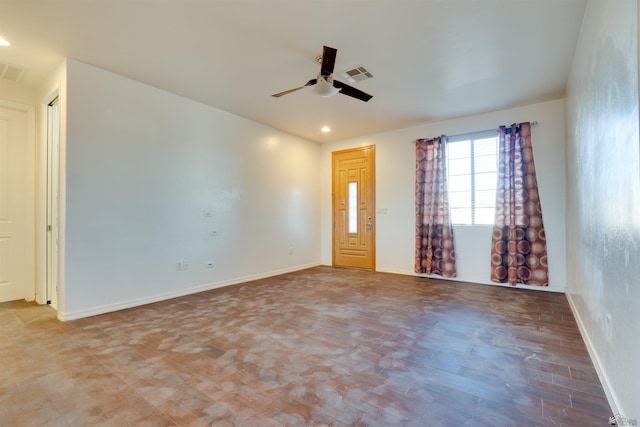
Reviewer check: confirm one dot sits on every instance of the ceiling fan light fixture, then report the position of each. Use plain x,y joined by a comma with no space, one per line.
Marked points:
324,85
325,88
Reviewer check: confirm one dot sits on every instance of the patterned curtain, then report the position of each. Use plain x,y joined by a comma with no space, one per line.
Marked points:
519,247
435,253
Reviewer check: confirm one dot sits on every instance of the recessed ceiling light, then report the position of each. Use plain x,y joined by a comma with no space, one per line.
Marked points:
325,129
4,42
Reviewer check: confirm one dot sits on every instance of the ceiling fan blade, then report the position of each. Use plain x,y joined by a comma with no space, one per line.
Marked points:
328,60
309,83
278,95
345,89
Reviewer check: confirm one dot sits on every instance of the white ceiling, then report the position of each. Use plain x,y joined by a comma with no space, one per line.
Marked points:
432,59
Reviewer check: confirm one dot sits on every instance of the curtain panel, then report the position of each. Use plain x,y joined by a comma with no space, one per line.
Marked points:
519,247
435,253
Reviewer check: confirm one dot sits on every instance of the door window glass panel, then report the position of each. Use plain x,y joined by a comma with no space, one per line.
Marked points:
353,207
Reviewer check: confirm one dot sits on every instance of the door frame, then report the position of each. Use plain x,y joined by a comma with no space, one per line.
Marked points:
30,182
372,147
52,202
56,90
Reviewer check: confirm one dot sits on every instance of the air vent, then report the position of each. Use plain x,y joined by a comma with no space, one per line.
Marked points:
356,74
11,72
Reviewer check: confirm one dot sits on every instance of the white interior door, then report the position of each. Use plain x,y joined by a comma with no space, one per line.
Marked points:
13,205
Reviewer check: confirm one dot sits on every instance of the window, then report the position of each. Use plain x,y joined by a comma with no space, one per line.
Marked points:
472,170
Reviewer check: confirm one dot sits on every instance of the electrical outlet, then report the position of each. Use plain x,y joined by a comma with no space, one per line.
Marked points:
214,233
210,264
179,266
185,265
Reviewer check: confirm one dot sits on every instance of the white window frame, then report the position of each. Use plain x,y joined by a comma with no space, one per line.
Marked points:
472,136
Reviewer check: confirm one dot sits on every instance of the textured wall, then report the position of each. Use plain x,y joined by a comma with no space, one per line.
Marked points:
603,189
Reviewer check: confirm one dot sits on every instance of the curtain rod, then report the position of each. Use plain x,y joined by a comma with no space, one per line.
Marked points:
532,123
462,135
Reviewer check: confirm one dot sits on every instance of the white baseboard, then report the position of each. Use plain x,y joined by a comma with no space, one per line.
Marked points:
108,308
457,279
602,375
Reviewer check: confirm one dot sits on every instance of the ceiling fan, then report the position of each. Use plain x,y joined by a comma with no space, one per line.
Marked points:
324,83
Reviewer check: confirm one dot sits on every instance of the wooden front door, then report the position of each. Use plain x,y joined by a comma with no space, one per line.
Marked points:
353,207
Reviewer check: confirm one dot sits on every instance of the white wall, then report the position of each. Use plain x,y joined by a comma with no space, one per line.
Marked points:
142,168
603,205
395,191
15,92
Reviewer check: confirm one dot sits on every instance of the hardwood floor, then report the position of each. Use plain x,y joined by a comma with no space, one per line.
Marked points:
321,346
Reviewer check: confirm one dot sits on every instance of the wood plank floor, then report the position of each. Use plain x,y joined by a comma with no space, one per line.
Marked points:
322,346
